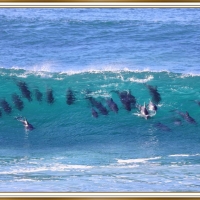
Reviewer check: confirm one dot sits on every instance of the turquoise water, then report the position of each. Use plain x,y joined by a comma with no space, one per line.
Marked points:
95,52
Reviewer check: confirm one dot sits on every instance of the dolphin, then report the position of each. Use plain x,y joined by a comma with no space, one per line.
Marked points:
131,99
70,98
24,90
162,127
152,106
19,104
94,113
98,105
26,124
187,117
154,93
144,112
49,96
5,105
38,95
112,105
127,99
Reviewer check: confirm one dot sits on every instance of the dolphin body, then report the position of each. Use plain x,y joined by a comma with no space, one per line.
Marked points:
24,90
19,104
152,106
112,105
49,96
154,93
38,95
144,112
127,99
94,113
98,105
26,124
5,105
70,98
187,117
162,127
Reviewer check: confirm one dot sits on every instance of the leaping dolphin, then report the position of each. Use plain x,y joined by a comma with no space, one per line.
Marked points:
26,124
143,112
152,106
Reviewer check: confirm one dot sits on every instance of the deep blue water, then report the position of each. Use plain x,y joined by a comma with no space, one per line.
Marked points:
99,54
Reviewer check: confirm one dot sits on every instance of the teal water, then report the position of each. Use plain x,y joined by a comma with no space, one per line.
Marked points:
96,52
68,144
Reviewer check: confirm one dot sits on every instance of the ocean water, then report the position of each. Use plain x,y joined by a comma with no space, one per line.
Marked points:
99,54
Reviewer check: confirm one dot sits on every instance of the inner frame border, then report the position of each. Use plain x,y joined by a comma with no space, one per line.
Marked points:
98,195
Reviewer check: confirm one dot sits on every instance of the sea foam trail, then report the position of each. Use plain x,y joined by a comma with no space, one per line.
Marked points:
138,160
183,155
55,167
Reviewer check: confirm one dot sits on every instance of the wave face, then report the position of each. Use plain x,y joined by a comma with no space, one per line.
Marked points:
90,56
68,139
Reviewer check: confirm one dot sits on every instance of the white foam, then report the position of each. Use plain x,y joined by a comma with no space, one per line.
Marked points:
100,93
137,160
45,67
59,79
42,71
148,78
109,85
55,167
52,68
189,74
179,155
183,155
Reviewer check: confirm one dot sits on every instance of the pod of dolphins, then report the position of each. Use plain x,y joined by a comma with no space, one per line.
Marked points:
127,99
